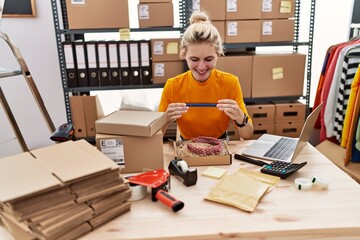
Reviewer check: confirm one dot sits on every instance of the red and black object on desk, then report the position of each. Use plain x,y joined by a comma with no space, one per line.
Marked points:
159,181
63,133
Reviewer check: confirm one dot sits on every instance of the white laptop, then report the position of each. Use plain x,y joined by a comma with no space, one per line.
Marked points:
274,147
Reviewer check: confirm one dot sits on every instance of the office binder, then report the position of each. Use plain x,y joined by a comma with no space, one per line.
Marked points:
103,65
92,64
81,67
114,67
70,68
134,63
124,61
145,63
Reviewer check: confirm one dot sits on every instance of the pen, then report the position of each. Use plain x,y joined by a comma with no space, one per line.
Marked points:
201,104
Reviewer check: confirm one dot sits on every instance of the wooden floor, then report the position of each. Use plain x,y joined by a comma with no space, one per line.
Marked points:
336,154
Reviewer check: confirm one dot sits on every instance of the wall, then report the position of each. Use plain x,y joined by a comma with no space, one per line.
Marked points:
36,39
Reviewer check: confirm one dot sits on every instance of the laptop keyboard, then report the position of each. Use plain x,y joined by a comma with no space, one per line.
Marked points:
282,149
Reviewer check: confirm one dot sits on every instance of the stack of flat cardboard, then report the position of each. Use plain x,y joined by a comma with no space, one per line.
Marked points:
60,192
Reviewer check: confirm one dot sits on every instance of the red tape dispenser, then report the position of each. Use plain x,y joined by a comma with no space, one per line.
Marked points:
159,181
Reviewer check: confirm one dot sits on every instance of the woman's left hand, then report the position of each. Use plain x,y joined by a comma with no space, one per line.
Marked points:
231,108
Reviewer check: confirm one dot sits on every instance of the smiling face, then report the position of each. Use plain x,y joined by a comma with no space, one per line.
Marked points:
201,59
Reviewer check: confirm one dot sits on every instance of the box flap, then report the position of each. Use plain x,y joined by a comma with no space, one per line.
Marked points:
21,175
71,161
131,123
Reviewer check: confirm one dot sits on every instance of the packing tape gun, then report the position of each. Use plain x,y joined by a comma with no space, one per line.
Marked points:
180,169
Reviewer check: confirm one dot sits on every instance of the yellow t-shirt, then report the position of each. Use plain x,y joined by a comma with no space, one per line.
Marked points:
202,121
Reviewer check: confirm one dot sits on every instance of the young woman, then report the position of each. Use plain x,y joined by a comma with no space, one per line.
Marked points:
201,46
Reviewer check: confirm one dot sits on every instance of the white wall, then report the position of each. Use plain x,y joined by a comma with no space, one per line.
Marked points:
35,38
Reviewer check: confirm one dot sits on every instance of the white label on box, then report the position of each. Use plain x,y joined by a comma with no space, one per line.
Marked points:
114,149
159,48
232,29
196,5
267,5
77,1
159,70
144,12
267,28
231,5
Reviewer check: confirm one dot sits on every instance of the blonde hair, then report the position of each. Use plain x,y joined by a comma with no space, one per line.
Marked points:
201,30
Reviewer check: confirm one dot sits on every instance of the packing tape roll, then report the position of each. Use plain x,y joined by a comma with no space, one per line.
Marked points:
138,192
320,182
183,165
303,183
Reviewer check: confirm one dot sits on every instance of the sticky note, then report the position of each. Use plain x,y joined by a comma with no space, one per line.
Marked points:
214,172
172,48
124,33
277,73
285,7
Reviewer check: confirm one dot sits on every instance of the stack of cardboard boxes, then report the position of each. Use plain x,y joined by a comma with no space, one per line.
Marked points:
132,139
60,192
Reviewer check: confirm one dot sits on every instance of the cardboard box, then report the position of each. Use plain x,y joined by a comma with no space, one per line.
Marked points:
131,123
156,15
165,49
233,132
214,8
131,153
289,128
204,160
261,128
278,75
278,9
240,66
243,9
162,71
155,1
261,113
245,31
97,14
277,30
78,116
220,26
290,111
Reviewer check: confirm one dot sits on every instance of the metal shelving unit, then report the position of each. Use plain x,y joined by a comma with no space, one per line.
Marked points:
63,33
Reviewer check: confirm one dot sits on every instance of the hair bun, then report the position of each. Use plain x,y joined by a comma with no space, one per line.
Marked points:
199,17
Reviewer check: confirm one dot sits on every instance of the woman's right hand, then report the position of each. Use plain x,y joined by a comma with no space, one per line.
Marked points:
175,111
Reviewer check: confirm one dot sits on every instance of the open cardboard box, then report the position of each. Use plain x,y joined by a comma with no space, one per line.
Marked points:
204,160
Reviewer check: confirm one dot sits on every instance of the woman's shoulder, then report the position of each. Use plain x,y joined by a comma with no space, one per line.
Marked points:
225,75
178,78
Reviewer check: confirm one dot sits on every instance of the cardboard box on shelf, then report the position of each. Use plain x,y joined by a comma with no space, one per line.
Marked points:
220,26
78,116
133,153
244,31
156,15
214,8
261,113
165,49
162,71
225,159
279,74
240,66
82,15
278,9
155,1
285,111
131,123
261,128
243,9
277,30
289,128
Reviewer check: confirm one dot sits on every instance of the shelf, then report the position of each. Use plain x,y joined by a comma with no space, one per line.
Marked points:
265,44
8,72
102,30
105,88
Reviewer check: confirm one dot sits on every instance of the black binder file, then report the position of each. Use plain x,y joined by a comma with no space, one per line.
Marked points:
145,63
134,63
71,74
124,62
103,65
113,63
92,64
82,74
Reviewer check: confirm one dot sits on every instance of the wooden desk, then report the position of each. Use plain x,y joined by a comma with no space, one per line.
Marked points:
285,213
